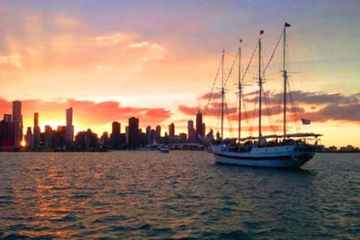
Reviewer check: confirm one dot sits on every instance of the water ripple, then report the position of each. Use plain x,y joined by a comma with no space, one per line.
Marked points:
181,195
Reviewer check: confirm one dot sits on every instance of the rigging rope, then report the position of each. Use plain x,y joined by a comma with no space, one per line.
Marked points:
249,63
296,113
245,114
272,54
268,112
212,89
230,71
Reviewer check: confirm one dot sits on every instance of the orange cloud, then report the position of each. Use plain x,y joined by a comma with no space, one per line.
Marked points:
87,113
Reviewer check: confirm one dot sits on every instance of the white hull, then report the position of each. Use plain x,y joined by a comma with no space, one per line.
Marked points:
287,156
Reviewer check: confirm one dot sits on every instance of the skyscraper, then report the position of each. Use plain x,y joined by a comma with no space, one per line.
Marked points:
133,133
199,125
7,133
158,134
115,134
191,131
36,131
69,135
48,137
172,130
148,135
29,138
18,123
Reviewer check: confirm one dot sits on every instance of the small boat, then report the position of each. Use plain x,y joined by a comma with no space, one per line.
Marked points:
281,151
164,149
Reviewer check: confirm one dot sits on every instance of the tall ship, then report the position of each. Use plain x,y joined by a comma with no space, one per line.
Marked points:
288,150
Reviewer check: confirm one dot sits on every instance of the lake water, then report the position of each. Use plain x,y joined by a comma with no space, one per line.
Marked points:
181,195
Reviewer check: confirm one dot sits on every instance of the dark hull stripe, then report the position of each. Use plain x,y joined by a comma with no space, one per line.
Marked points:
254,158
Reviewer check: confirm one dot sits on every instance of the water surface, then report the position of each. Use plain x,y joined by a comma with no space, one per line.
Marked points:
181,195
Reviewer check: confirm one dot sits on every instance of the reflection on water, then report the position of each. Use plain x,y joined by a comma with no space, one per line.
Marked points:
178,195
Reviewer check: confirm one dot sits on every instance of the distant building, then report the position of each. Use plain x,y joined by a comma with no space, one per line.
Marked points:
218,137
210,135
7,133
115,135
199,125
105,141
29,138
48,137
182,137
148,136
86,140
191,131
36,131
158,134
7,117
69,135
133,138
127,135
17,123
203,133
59,138
153,136
172,130
142,137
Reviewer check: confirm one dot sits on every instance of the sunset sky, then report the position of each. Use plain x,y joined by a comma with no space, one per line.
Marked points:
156,60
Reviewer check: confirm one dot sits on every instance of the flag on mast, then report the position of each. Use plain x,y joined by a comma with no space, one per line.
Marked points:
287,24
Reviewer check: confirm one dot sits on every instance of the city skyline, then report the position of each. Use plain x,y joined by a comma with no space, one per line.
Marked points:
62,138
55,56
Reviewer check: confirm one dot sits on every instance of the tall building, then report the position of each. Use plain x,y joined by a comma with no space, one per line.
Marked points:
17,122
7,134
48,137
86,140
152,136
199,125
133,137
172,130
29,138
36,131
115,134
210,135
191,131
7,117
105,140
158,134
58,137
69,128
148,135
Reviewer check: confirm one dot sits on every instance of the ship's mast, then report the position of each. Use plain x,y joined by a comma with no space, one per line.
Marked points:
240,95
260,85
285,77
222,93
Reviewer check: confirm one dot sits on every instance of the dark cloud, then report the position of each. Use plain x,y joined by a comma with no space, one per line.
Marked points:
217,95
210,96
251,129
349,112
212,110
316,106
316,98
269,111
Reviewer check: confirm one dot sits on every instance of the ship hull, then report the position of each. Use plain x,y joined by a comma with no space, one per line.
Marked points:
273,157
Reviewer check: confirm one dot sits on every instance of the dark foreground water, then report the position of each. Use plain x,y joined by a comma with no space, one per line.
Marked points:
181,195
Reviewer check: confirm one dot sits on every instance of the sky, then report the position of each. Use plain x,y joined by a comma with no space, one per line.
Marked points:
156,60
